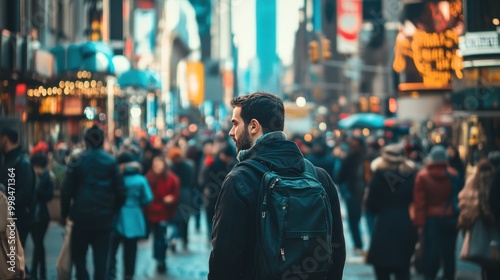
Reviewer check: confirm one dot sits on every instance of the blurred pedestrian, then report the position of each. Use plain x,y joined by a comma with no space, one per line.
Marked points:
390,193
91,196
130,224
352,185
185,172
435,215
213,175
456,163
44,191
320,156
165,187
14,158
372,152
194,155
148,153
476,211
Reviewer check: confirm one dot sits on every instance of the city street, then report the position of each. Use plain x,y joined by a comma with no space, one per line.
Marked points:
193,264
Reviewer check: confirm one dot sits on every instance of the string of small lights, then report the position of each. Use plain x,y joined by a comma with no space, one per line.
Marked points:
80,87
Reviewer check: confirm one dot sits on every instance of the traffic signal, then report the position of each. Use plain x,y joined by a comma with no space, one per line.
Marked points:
325,47
392,107
313,51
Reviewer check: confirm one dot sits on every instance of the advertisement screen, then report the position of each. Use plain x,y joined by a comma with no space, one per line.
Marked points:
426,49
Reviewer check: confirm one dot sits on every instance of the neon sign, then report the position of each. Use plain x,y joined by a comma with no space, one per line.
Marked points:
426,47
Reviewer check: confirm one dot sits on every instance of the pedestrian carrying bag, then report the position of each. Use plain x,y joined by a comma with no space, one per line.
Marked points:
294,225
482,244
64,263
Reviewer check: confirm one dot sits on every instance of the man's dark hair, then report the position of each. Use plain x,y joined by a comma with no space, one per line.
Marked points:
94,137
39,160
263,106
11,134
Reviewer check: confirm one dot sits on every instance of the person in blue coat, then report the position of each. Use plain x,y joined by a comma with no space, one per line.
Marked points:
130,224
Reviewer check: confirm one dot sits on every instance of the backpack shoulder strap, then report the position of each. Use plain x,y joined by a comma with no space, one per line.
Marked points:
255,165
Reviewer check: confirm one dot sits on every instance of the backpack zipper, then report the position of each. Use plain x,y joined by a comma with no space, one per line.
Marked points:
264,202
284,205
274,183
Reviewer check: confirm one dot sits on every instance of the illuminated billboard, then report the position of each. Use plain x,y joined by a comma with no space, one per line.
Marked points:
426,49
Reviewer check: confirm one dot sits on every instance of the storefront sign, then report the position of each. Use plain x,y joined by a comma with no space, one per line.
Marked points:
72,106
480,43
349,21
426,48
49,105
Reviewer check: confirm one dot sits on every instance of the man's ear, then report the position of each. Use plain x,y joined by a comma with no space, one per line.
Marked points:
254,127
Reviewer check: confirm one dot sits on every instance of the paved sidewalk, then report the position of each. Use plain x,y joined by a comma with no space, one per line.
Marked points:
193,264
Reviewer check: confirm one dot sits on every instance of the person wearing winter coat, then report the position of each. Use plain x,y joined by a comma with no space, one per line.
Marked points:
435,216
213,175
13,156
91,195
165,187
474,207
184,169
257,131
44,191
130,224
390,193
352,184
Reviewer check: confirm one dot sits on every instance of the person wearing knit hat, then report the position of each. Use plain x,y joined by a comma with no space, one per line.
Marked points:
438,154
434,194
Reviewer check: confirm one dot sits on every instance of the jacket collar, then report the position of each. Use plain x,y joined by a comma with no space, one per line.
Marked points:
261,141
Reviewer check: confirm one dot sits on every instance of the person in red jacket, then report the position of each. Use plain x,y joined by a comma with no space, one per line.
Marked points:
435,216
165,187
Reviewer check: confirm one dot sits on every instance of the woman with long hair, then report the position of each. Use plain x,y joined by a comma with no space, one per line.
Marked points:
475,208
165,187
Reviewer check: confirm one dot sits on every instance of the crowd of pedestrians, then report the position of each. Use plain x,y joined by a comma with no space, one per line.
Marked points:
415,198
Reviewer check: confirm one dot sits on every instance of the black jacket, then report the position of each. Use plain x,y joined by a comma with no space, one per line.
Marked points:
92,191
212,177
390,193
24,183
233,237
43,193
351,177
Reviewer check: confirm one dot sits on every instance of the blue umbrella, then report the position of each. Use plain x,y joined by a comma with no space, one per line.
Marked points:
363,120
140,78
93,47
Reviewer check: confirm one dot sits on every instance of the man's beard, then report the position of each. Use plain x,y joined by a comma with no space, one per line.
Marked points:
245,142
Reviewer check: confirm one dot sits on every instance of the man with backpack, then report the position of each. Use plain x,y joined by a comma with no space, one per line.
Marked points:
277,216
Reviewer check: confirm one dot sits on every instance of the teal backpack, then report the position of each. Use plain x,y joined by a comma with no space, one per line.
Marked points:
294,225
